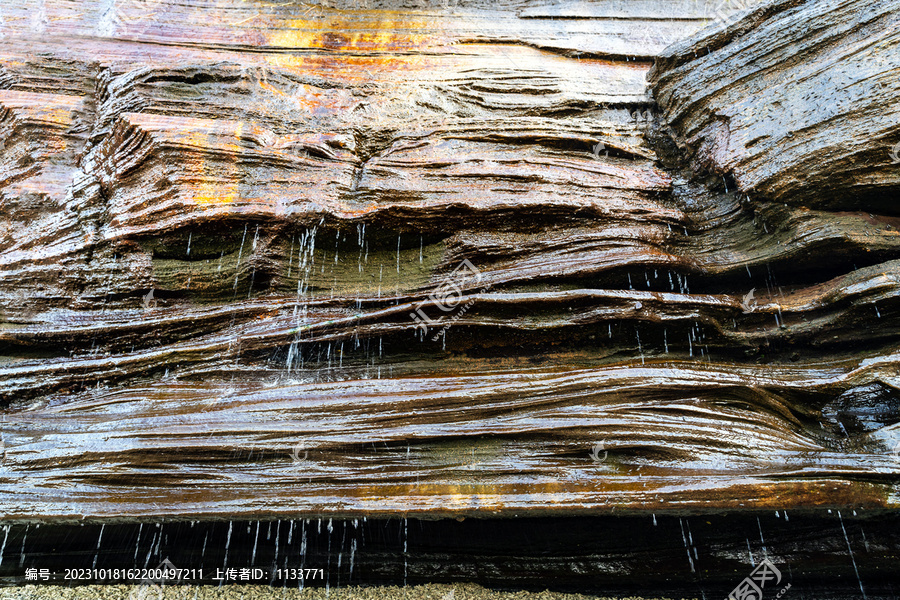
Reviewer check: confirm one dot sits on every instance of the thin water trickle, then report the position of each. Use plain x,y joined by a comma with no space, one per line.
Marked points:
337,241
405,548
237,267
686,545
361,236
3,546
96,550
255,542
227,545
159,539
277,538
352,555
762,541
150,550
640,350
137,542
852,559
303,549
291,256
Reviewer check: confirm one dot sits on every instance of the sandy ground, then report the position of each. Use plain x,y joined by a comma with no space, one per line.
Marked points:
252,592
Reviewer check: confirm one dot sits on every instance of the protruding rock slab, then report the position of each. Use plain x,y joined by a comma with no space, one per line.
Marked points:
798,102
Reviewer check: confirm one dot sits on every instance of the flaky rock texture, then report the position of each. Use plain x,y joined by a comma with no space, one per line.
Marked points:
265,260
799,102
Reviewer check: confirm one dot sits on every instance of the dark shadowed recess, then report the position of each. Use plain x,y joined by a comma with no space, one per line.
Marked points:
821,554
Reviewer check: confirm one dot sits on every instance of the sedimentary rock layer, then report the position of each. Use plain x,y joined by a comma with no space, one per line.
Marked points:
256,267
797,102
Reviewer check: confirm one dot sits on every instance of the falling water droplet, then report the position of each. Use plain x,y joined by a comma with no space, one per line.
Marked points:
237,267
255,542
137,542
405,555
227,545
761,540
686,545
277,538
3,546
96,551
852,559
352,554
640,350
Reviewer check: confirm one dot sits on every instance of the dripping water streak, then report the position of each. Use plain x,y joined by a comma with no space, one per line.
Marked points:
853,560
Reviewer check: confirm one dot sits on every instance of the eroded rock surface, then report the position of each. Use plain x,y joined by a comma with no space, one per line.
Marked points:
234,241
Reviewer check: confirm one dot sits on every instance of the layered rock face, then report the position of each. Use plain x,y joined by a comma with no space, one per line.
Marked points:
302,259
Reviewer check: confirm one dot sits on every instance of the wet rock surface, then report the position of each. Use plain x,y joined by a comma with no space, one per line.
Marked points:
795,103
235,237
